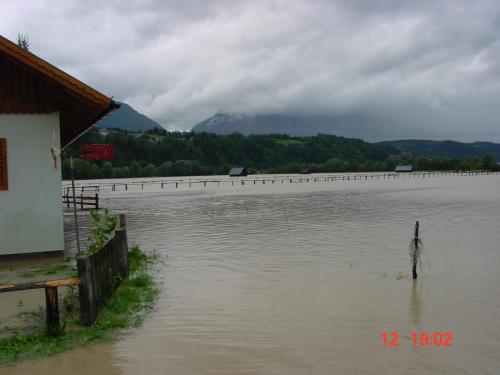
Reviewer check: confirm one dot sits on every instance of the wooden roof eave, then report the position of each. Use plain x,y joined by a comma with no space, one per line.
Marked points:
113,106
49,89
46,69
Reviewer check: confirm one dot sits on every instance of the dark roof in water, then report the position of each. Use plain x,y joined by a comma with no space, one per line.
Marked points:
403,168
238,171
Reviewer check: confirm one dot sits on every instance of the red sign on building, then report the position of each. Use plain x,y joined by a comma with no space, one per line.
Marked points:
96,152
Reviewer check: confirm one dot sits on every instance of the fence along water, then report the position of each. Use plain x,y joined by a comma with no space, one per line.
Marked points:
101,274
89,202
192,182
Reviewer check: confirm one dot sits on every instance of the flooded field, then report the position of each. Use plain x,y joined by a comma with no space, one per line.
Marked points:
304,278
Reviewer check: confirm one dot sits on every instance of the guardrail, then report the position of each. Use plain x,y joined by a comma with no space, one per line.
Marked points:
51,298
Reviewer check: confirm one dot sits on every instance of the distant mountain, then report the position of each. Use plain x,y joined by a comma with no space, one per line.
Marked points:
224,123
346,126
129,119
445,148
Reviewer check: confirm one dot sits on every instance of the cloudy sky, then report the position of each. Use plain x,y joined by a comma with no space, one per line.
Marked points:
426,68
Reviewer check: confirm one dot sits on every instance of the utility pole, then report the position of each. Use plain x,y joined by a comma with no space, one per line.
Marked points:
74,204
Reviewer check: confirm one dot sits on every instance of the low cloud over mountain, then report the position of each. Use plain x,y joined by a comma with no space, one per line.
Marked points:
426,67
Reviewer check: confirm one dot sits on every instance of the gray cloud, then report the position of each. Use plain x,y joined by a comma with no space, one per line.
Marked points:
425,67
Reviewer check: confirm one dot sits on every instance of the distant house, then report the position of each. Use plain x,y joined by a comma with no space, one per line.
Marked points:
42,109
238,172
103,131
403,168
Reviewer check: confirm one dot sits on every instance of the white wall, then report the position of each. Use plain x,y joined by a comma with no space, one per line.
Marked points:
31,217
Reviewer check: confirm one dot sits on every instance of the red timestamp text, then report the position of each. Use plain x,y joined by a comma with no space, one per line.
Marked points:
422,338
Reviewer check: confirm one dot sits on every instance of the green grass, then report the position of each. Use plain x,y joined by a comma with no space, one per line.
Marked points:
45,270
125,309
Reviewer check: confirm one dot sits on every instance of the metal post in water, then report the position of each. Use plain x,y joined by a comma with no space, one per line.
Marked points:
74,204
415,253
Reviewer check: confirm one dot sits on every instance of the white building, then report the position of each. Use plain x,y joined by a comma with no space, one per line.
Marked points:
42,109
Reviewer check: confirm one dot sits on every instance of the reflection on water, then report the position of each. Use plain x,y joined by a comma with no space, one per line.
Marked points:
303,278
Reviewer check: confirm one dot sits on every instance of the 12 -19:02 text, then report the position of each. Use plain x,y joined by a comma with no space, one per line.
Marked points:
438,339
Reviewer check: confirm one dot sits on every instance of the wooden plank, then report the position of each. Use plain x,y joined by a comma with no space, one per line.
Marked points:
4,288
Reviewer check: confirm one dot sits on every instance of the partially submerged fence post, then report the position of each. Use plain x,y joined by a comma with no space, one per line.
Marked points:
415,252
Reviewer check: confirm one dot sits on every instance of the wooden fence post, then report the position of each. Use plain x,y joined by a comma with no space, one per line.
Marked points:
52,309
96,201
123,221
415,253
122,255
118,234
88,311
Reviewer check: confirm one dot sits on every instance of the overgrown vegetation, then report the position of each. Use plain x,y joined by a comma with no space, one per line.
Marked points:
161,153
126,308
102,227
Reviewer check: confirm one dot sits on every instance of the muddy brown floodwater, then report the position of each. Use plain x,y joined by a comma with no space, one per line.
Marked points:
304,278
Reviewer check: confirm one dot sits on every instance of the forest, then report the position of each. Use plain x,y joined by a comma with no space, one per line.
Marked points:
161,153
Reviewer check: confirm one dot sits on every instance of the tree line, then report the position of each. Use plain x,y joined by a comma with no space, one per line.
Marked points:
161,153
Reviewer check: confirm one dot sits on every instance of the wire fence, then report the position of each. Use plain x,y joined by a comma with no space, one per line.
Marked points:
121,185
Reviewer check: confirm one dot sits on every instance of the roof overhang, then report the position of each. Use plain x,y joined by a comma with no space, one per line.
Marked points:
30,85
